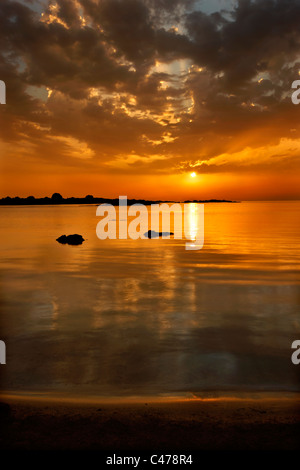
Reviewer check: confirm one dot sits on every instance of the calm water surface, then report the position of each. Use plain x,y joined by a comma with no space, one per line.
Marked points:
147,317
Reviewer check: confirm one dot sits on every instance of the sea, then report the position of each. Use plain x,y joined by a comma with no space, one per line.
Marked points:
147,317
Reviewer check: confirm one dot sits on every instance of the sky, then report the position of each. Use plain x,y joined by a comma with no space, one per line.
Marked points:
132,97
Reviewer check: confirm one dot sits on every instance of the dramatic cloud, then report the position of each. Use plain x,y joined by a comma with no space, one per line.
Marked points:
148,87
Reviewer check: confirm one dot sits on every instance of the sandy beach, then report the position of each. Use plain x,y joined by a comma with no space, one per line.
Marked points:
161,425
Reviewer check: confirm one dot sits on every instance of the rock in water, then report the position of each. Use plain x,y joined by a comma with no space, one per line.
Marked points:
151,234
70,239
154,234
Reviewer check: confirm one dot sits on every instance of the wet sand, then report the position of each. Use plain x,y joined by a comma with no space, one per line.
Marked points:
161,425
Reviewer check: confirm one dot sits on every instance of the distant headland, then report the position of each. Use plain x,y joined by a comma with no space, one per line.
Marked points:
57,199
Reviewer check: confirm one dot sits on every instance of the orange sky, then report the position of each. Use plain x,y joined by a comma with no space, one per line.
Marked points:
129,97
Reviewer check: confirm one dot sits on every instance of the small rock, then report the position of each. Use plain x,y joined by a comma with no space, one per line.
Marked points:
70,239
154,234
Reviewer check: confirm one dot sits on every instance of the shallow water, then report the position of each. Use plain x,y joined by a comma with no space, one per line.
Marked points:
147,317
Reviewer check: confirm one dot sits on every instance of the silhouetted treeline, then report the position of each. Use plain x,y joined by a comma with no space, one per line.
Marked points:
57,199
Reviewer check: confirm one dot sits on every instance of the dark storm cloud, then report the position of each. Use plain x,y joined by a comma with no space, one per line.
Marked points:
54,56
68,13
260,36
128,26
246,58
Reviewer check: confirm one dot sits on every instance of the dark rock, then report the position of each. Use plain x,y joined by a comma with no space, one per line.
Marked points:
154,234
70,239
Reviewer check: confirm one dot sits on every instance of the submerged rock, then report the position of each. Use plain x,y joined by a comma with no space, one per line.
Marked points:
154,234
70,239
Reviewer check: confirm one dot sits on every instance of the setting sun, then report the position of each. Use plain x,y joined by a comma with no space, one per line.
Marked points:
193,175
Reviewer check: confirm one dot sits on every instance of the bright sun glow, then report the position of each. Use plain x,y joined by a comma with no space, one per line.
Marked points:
193,175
